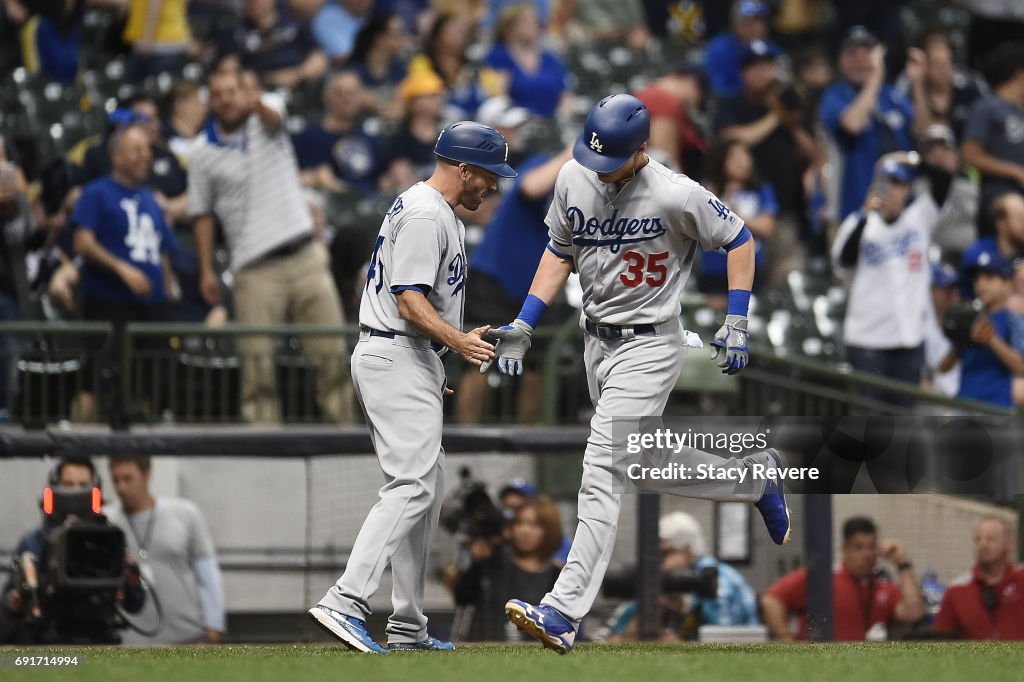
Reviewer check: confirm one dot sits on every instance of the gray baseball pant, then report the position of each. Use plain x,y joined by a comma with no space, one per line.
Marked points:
399,383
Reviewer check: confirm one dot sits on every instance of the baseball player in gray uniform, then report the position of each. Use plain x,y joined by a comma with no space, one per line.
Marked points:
411,312
630,227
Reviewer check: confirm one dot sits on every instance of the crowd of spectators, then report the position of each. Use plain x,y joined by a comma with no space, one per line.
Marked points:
785,113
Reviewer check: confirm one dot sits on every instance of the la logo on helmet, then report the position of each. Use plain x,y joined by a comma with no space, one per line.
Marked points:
595,143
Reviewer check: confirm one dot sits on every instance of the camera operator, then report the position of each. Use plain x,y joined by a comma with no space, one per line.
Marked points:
521,567
683,548
59,618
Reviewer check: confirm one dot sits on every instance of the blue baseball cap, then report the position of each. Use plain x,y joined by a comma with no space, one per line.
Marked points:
944,275
896,171
749,9
991,262
758,51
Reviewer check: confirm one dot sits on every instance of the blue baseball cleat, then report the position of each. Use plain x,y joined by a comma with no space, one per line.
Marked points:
429,644
542,622
351,631
772,505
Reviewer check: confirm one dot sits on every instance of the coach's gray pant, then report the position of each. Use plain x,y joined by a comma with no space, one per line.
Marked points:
627,378
400,389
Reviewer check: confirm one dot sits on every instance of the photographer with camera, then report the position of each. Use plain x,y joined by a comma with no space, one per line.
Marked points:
990,347
684,549
519,566
71,574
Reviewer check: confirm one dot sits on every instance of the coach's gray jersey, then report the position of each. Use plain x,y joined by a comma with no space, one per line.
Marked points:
421,242
633,248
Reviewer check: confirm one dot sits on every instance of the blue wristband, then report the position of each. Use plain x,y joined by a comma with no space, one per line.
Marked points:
739,302
533,308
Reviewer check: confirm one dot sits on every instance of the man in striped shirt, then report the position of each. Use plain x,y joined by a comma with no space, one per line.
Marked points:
244,173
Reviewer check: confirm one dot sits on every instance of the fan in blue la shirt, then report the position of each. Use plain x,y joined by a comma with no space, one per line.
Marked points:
129,224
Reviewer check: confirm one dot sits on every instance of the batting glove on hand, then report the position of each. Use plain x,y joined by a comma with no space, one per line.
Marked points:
512,343
732,338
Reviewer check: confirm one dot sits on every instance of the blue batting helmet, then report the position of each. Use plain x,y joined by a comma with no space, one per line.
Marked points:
614,130
476,144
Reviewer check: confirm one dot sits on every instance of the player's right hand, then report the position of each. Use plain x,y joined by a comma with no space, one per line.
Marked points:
513,342
473,348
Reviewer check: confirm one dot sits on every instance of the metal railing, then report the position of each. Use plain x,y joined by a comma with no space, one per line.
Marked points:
787,385
187,373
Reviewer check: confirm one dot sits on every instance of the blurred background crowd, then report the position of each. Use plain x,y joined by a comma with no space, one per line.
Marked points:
792,111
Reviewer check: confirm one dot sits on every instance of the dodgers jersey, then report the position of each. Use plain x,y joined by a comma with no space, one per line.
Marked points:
892,273
633,247
421,245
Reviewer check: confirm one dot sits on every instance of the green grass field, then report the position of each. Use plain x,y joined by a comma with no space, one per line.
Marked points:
931,662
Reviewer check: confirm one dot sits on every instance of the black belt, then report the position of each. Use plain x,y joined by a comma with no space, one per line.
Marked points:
434,345
288,248
610,332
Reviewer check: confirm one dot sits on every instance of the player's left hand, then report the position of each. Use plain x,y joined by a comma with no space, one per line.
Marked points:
731,338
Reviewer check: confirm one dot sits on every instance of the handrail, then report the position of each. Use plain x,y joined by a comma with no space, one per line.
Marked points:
856,379
802,379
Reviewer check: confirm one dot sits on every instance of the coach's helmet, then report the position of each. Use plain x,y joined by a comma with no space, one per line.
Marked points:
476,144
614,130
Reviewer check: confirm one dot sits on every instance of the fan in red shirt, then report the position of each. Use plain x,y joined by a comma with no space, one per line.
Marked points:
987,603
862,600
669,100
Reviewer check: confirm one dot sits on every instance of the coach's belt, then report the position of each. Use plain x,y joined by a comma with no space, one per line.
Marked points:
610,332
414,341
